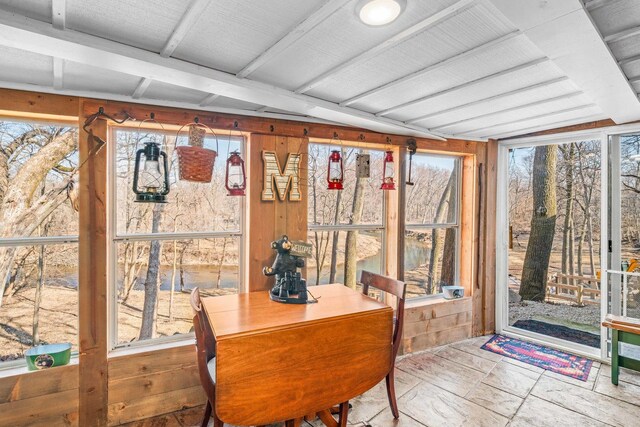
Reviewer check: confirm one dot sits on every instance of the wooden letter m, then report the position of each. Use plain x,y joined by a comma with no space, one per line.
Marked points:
286,180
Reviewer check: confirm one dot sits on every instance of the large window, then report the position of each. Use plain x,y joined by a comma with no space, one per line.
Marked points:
162,251
432,225
346,227
38,237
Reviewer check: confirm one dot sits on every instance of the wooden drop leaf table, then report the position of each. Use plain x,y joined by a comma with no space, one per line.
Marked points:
277,362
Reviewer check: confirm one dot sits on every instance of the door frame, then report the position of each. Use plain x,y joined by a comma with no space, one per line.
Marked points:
502,241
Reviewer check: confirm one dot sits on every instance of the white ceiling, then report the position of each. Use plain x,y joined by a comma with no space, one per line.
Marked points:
463,68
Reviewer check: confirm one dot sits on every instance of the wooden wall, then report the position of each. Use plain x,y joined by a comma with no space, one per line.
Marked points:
106,390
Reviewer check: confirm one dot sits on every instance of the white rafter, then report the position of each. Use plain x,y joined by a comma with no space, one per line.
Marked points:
389,43
634,80
59,14
142,87
621,35
463,86
193,12
489,99
431,68
39,37
209,99
510,109
327,9
547,126
526,119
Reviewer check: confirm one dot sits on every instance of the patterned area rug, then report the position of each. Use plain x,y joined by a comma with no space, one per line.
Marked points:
543,357
558,331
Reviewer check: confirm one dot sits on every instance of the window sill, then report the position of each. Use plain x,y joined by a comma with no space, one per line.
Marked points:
150,346
438,299
19,367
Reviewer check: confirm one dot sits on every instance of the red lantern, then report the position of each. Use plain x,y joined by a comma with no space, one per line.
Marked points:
335,171
235,179
388,172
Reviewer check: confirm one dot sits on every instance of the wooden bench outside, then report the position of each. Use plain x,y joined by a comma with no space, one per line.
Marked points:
623,330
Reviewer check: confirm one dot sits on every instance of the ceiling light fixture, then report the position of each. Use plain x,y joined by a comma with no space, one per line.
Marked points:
379,12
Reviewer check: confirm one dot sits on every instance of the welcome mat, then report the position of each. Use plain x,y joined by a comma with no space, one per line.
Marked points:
559,331
543,357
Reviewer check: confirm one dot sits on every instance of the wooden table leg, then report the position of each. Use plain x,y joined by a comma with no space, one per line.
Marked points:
328,420
293,423
344,414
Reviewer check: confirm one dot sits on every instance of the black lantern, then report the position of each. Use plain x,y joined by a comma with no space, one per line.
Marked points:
235,179
150,176
388,172
335,171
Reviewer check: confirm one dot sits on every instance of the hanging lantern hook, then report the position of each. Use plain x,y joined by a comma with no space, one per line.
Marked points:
412,146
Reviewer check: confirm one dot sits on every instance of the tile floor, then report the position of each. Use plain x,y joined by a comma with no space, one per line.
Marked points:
463,385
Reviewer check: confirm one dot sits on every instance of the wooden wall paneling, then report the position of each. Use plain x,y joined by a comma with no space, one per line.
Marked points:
468,225
488,309
394,210
35,104
270,126
269,220
92,287
57,409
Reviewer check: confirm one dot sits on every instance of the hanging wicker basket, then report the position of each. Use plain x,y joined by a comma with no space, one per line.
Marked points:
195,163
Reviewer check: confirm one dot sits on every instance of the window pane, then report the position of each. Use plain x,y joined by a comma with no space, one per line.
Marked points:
429,260
191,207
44,274
367,255
36,162
337,206
210,264
433,198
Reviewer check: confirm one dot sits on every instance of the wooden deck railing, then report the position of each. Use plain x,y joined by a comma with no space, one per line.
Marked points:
579,289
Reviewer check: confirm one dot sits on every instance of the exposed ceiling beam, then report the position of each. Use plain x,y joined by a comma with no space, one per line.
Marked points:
59,14
209,99
463,86
474,51
142,87
621,35
595,4
317,17
634,80
511,109
565,32
58,73
39,37
526,119
158,102
548,126
389,43
192,14
490,99
628,60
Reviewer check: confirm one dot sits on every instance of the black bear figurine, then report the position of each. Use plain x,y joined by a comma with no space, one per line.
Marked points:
289,286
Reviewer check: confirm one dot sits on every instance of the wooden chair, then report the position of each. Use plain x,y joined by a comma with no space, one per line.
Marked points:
206,354
397,289
623,330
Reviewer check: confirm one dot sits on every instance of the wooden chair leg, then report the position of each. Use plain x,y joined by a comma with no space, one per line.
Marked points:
207,414
391,393
615,366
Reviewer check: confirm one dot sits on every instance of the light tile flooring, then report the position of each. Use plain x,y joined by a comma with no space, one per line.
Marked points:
463,385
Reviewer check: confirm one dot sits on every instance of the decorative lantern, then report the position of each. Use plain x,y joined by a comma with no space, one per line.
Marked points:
235,179
335,171
388,172
150,176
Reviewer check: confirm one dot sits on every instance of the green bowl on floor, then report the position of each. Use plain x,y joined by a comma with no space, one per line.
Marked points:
48,355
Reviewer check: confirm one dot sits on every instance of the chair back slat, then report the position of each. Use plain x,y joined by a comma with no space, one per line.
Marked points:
394,287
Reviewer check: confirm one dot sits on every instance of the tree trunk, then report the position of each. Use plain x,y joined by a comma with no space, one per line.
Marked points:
149,309
224,251
449,253
173,279
334,241
38,297
433,275
350,256
567,229
543,225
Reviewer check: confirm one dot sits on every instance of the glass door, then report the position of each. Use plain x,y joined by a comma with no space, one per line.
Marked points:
622,261
552,239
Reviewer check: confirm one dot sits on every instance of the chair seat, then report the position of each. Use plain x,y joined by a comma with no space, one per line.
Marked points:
211,367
